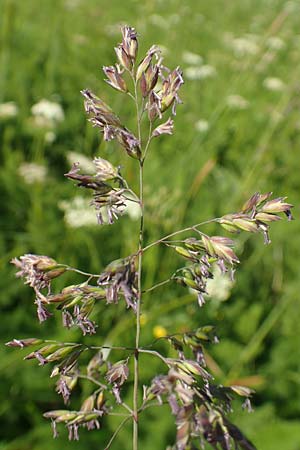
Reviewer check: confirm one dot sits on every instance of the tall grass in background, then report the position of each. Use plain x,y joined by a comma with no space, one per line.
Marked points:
239,132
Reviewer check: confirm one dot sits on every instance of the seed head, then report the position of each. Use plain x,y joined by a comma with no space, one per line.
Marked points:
88,404
24,342
278,205
245,223
118,373
123,58
154,106
38,270
114,78
105,170
169,93
149,79
99,110
145,63
164,128
130,42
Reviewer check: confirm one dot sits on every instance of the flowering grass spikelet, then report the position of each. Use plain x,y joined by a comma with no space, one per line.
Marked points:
198,403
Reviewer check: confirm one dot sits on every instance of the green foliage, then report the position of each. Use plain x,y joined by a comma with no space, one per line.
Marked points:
237,133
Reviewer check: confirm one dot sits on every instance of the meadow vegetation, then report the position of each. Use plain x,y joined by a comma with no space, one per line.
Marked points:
237,132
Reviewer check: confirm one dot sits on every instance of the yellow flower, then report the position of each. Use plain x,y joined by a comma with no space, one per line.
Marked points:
159,331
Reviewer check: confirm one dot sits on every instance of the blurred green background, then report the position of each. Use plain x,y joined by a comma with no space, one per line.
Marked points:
237,132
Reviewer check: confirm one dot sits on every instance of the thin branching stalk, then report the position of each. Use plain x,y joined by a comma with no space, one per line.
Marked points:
154,353
161,283
131,199
92,380
104,387
148,143
191,228
81,272
127,407
108,347
150,405
118,429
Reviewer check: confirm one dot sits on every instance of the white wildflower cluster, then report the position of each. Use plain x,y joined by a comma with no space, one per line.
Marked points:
8,110
164,51
202,125
200,73
113,29
192,58
237,102
32,172
219,287
275,43
47,114
85,163
50,137
244,46
196,70
158,21
72,4
132,208
77,212
164,22
78,215
274,84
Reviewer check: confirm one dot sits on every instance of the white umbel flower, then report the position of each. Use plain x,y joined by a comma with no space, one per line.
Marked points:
158,21
192,58
200,73
275,43
274,84
50,137
202,125
47,113
8,110
78,212
219,287
244,46
32,172
85,163
132,209
237,102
